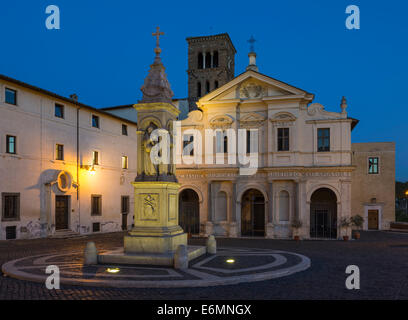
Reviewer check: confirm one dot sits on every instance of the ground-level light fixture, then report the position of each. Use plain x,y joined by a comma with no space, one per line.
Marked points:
112,270
230,260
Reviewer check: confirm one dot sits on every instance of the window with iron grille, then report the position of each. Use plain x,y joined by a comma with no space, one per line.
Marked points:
323,139
96,205
96,227
11,206
283,139
11,232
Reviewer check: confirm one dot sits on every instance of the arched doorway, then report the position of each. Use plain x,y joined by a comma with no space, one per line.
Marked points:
253,214
189,211
323,214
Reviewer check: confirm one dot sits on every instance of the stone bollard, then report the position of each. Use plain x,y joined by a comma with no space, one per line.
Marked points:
181,257
91,254
211,245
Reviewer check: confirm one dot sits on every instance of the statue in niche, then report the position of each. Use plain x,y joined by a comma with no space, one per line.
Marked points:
149,168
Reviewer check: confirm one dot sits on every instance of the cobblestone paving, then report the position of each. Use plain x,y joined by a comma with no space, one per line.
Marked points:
381,256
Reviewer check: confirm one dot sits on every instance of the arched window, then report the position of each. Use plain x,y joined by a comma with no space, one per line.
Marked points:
215,84
207,87
225,143
283,206
215,59
198,89
200,61
208,60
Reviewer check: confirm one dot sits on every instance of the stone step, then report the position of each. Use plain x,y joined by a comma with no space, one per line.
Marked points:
64,234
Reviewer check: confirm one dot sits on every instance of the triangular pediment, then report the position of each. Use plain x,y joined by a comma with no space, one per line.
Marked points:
252,85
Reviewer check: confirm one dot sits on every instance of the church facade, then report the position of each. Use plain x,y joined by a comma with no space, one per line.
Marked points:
309,176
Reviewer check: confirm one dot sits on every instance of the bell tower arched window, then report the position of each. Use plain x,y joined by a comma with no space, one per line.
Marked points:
207,87
208,60
215,59
200,61
198,89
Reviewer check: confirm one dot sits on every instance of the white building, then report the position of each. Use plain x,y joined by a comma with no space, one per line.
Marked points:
63,165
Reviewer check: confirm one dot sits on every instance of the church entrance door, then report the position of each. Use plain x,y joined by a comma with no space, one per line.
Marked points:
61,212
253,214
189,211
323,214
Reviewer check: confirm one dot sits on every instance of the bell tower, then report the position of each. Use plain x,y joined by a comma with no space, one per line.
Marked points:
211,64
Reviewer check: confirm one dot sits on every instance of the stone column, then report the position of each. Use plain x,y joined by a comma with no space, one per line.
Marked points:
303,209
271,220
233,231
204,54
344,205
209,223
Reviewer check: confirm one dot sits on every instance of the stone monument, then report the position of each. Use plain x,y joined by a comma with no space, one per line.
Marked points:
156,234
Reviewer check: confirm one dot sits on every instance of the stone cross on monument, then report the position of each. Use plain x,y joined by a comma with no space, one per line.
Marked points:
157,34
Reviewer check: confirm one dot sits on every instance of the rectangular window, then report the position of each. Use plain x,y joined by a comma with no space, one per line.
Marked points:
124,204
96,205
124,130
96,227
124,162
59,111
95,121
188,145
323,139
248,141
221,141
373,165
11,233
283,139
59,152
95,158
11,206
11,142
11,96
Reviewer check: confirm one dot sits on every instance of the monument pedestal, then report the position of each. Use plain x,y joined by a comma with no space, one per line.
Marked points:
156,234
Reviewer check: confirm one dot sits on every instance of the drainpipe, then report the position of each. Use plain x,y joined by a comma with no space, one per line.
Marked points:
74,97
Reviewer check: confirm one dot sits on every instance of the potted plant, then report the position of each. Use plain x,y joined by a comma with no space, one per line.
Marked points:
296,225
357,221
345,224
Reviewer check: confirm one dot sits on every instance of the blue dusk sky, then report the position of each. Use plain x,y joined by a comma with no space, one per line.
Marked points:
104,48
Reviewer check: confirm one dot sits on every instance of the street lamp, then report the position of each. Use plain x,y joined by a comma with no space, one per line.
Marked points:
406,202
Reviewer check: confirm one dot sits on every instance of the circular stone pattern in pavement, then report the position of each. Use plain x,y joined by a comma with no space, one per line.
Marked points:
228,266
